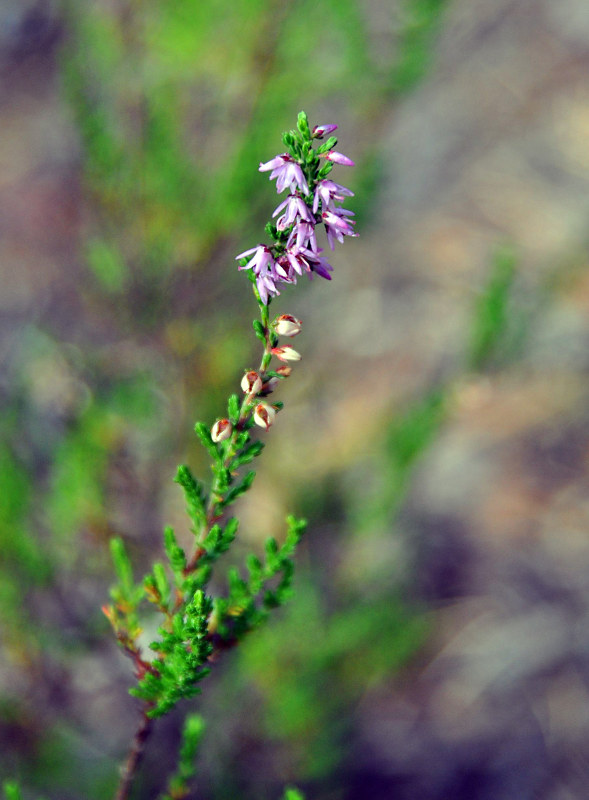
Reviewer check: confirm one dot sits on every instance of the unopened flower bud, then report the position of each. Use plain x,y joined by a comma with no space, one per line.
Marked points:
319,131
286,353
338,158
284,372
287,325
221,430
251,383
264,415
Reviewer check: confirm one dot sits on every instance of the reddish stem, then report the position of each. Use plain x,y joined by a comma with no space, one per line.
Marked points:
135,755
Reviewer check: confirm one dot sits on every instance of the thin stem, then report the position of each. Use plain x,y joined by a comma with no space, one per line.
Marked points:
246,407
129,769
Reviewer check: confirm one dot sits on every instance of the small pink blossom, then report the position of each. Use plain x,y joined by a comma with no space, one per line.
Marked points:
286,269
264,268
296,209
303,235
338,158
287,172
319,265
309,261
337,226
319,131
327,191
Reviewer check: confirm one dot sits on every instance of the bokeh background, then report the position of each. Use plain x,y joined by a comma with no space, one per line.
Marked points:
436,433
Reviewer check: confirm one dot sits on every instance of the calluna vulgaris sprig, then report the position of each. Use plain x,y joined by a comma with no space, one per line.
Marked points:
195,625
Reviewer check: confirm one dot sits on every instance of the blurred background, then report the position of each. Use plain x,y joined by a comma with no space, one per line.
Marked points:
436,433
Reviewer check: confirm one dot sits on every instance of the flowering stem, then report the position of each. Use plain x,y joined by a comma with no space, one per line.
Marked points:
213,514
195,625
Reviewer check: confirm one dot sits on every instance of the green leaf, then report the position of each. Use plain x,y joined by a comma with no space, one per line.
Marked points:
122,564
176,555
204,435
295,531
271,548
212,539
324,171
194,495
162,583
224,478
240,489
248,454
303,126
328,145
228,534
183,653
233,407
194,727
197,579
191,736
259,330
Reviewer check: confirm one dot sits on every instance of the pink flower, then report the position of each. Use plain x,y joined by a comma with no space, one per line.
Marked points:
327,191
296,264
264,268
296,208
338,158
304,259
303,235
337,226
287,172
319,266
284,269
319,131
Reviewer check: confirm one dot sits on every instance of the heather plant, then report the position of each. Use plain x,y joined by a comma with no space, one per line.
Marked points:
162,205
196,626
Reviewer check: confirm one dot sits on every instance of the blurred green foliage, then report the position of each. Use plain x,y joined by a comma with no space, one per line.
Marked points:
324,664
419,21
492,313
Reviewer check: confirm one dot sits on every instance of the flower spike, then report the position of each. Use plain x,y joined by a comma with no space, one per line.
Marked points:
312,199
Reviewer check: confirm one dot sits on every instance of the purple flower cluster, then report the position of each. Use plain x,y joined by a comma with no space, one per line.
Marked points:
310,201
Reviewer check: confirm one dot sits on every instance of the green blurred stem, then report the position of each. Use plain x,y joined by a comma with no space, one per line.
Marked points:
135,754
